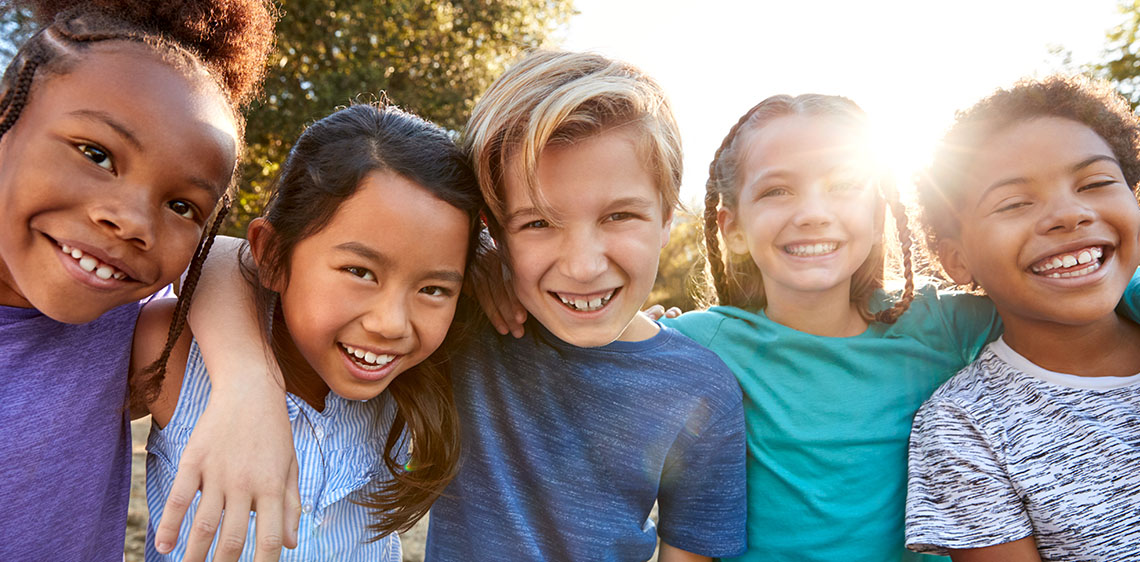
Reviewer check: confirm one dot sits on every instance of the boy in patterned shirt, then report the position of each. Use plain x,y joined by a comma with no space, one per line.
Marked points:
1033,451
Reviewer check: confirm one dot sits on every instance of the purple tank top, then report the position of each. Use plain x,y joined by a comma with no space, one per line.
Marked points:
64,435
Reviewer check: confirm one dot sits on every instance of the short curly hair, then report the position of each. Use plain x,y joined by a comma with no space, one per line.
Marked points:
1093,103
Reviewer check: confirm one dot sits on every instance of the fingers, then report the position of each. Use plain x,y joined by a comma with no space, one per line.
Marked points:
673,312
205,525
655,312
235,525
270,520
181,495
292,507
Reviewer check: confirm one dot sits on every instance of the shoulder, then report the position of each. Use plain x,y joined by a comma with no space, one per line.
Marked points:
978,395
704,326
151,332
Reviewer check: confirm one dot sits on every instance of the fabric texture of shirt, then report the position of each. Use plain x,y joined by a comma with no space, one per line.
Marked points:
1007,449
566,449
338,455
828,419
65,462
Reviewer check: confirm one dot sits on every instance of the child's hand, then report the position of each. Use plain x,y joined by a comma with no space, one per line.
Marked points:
237,470
489,279
656,312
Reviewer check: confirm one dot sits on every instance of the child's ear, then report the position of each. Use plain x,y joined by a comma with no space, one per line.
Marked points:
953,260
260,235
730,231
667,227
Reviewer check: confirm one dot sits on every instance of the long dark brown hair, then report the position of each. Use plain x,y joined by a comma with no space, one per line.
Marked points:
737,282
325,167
230,40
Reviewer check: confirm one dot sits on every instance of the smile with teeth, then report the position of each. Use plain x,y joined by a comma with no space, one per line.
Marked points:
1061,265
586,304
366,359
91,264
808,250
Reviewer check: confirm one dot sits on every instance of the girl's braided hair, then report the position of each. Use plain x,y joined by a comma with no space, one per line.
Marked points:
229,39
736,279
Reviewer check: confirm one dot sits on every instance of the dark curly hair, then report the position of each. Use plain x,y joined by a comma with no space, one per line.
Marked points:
229,39
325,167
943,186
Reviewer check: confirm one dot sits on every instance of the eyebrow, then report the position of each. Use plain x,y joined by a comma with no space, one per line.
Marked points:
1023,180
379,259
109,121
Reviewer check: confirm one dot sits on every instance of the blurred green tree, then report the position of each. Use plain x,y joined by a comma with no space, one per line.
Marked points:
431,57
680,275
1122,66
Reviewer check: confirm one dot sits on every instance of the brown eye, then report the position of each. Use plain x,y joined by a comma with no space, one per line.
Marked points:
100,157
182,209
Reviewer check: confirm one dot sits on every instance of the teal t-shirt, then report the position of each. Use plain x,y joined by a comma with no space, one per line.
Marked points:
828,419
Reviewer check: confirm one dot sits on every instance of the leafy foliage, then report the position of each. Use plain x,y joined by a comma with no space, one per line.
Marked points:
1123,65
680,276
431,57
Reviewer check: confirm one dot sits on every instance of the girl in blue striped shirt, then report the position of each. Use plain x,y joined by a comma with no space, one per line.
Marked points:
357,263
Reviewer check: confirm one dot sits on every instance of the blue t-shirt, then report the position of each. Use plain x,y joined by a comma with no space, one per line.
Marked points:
65,443
566,449
829,419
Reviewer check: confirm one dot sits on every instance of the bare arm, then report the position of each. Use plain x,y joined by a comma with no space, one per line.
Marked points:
1024,550
241,452
673,554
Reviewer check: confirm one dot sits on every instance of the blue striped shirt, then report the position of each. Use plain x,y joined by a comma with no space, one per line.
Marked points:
338,453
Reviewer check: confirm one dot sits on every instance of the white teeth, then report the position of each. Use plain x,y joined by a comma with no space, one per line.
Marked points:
1078,273
92,265
586,305
817,249
88,263
1083,257
367,358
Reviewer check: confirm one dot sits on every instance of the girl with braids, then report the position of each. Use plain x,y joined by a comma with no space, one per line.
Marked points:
832,367
357,263
100,207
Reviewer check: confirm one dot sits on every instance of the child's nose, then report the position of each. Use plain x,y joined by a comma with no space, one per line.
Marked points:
814,209
127,216
388,317
1067,212
583,255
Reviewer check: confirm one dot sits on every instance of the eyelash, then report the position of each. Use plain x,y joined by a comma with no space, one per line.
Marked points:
360,272
442,292
92,151
540,223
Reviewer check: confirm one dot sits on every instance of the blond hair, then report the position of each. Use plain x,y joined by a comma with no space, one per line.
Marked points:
557,98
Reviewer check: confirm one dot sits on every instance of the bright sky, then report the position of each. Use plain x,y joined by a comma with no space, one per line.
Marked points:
909,63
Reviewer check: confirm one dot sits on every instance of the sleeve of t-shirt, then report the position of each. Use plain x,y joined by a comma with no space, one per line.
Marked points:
958,495
1130,302
702,503
971,321
700,326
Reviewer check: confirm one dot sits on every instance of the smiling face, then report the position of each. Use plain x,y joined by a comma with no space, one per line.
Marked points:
586,278
100,207
373,293
1049,226
807,211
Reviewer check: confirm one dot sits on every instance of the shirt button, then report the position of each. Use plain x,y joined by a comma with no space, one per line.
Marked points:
307,508
320,432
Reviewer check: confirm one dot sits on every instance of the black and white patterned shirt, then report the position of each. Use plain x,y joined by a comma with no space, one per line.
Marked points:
1006,449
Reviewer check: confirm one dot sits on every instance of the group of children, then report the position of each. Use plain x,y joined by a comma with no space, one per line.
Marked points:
335,351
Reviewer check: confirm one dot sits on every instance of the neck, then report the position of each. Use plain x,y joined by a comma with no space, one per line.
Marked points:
1109,346
300,378
825,313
